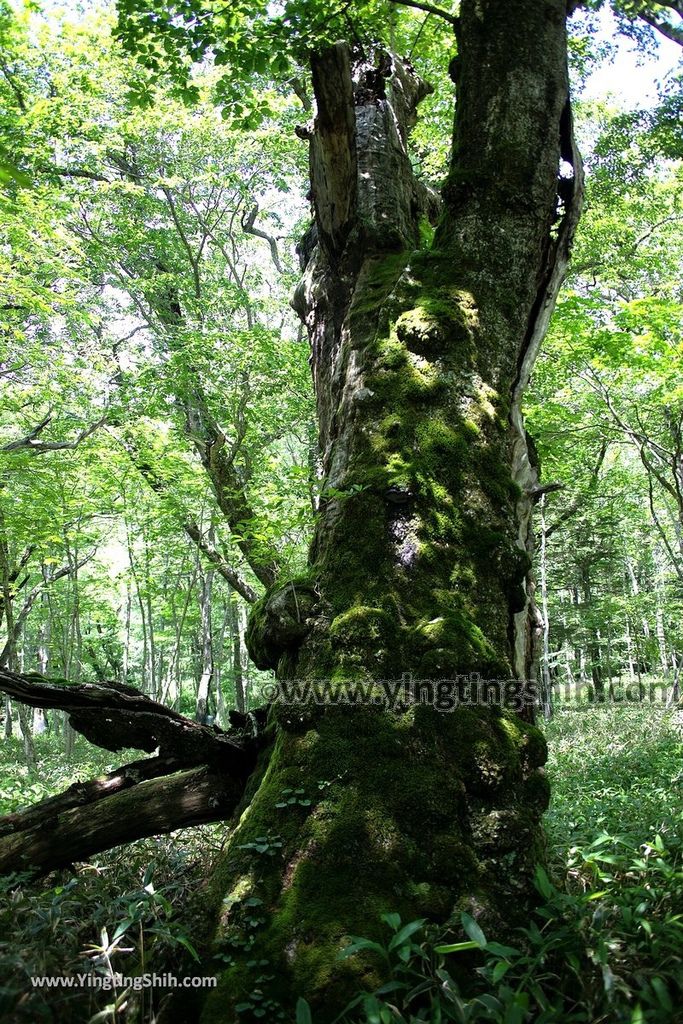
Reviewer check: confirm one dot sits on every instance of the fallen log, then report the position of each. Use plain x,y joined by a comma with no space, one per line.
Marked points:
198,775
56,836
80,793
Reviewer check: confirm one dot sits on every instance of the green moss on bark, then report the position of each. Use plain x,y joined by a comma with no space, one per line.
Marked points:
397,821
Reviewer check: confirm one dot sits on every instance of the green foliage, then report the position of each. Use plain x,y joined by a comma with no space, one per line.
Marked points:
605,410
259,49
21,785
269,845
134,218
624,764
128,912
137,301
602,944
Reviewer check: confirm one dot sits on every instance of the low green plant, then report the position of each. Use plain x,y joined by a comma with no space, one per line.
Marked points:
605,943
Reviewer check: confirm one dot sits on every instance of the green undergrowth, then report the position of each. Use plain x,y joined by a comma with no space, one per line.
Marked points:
605,943
131,910
21,785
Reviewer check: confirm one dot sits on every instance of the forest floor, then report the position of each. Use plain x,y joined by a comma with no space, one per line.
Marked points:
605,945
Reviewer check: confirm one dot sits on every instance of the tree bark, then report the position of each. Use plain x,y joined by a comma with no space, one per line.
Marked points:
420,559
546,685
117,717
199,775
419,562
66,830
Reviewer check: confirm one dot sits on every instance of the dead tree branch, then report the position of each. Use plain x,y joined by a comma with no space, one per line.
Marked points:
30,442
115,717
57,835
199,775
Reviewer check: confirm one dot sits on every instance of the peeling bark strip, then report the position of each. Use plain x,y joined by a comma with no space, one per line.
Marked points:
418,564
570,193
334,170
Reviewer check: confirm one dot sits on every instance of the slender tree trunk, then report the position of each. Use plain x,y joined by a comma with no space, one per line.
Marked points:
593,644
661,636
220,655
419,562
42,657
610,666
9,658
546,686
206,647
143,618
174,683
146,605
125,662
629,649
7,608
73,661
643,657
675,694
240,668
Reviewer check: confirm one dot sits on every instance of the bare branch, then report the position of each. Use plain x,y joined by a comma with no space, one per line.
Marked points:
429,9
18,94
193,259
73,172
248,225
299,90
572,509
31,443
219,562
29,601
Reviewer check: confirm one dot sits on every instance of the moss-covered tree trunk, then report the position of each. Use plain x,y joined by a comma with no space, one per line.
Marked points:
420,558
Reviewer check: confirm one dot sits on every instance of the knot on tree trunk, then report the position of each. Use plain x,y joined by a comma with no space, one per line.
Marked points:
279,623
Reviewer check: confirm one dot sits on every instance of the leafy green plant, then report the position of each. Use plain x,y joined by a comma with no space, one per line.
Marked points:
293,798
268,845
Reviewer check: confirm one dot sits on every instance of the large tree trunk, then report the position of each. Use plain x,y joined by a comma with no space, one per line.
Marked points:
420,560
420,557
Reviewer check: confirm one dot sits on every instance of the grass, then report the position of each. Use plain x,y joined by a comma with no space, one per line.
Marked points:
604,947
615,769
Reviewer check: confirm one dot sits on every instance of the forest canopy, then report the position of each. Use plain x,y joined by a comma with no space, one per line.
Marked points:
269,324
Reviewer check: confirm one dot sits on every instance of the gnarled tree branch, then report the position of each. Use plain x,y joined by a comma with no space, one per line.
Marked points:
198,775
114,716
